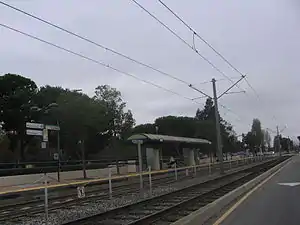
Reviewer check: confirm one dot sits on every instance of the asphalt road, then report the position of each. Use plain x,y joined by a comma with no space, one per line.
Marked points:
272,203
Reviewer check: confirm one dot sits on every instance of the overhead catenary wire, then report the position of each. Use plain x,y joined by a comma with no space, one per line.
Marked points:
93,42
202,39
195,33
110,50
105,48
93,60
221,79
182,40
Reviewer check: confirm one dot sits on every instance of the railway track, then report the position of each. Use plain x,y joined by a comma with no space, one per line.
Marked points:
19,210
168,208
26,208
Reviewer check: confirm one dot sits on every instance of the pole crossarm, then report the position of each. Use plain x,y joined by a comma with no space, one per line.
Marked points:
225,92
196,89
198,97
235,92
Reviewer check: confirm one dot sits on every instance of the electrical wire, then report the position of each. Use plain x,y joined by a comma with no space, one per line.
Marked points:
221,79
94,43
252,88
101,46
114,51
211,47
202,39
93,60
182,40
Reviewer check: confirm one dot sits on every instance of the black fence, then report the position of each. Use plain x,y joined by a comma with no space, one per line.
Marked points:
11,169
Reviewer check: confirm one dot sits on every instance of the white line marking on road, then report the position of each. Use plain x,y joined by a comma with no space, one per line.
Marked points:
25,208
5,212
69,199
290,184
40,205
57,202
229,211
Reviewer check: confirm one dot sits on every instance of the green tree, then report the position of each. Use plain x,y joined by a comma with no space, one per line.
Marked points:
121,121
286,143
208,112
16,99
81,118
207,128
48,95
249,140
257,132
6,155
176,126
144,128
266,139
254,139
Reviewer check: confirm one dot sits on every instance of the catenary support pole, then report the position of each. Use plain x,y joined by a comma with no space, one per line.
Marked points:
218,132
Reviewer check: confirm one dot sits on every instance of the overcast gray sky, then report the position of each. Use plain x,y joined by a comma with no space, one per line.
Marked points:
260,37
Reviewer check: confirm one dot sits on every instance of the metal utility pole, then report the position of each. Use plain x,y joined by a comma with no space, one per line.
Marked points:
278,141
219,145
58,151
83,159
217,116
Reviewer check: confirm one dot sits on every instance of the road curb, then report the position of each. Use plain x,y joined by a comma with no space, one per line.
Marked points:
204,214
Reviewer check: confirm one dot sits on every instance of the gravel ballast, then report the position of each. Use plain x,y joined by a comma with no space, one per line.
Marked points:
61,216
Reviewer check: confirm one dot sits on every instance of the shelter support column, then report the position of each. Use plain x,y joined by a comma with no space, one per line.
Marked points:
153,158
189,156
197,156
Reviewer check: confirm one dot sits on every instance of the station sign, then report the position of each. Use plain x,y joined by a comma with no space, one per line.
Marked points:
35,125
34,132
55,156
52,127
80,192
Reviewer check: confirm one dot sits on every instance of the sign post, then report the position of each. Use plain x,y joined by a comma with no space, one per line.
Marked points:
56,155
150,181
46,199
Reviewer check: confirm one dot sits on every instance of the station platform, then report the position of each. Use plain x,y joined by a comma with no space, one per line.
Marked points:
276,201
37,183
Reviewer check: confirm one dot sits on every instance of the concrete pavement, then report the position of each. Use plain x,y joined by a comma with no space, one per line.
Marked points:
276,202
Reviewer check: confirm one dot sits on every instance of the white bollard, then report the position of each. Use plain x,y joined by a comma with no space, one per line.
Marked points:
109,183
150,181
46,199
229,163
186,171
175,171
